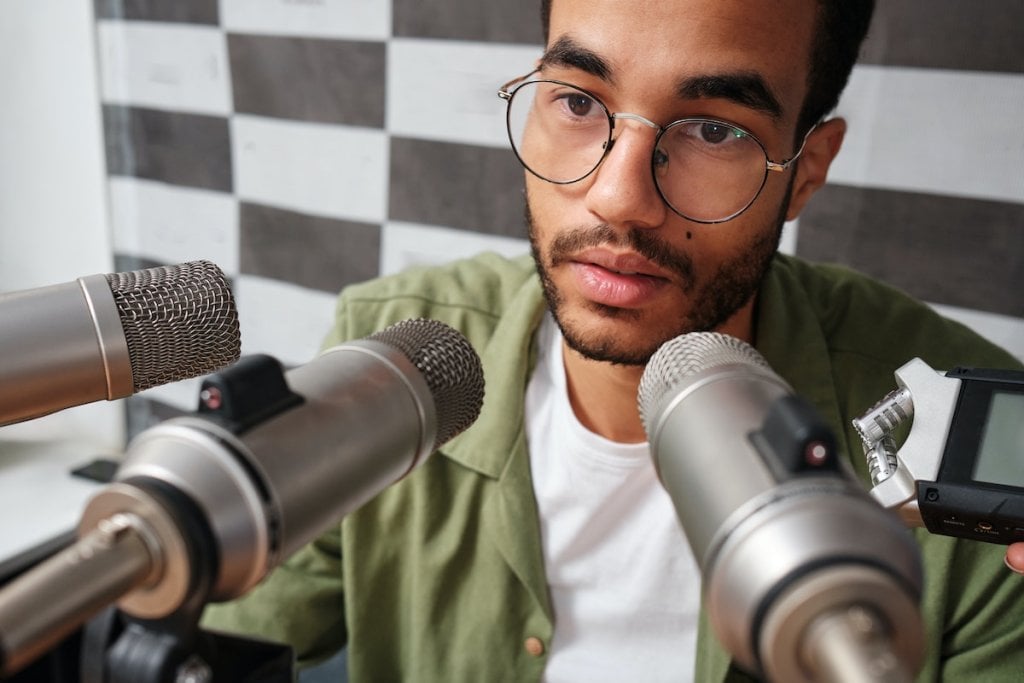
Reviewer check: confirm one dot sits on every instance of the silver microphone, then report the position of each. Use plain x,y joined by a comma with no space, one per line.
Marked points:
109,336
209,505
805,577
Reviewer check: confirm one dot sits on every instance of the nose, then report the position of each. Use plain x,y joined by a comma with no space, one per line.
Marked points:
622,192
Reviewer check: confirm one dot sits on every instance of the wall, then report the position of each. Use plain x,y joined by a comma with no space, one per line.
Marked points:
53,220
307,145
928,191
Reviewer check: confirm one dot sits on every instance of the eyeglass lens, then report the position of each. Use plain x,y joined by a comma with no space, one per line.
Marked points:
706,170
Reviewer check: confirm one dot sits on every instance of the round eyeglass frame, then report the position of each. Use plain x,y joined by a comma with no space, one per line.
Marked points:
508,95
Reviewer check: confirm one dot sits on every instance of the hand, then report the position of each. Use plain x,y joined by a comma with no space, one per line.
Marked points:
1015,557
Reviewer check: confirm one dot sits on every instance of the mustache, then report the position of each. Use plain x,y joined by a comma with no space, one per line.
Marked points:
643,242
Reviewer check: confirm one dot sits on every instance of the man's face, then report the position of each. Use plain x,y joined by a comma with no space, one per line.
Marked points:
622,272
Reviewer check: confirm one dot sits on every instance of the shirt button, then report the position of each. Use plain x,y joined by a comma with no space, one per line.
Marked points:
534,646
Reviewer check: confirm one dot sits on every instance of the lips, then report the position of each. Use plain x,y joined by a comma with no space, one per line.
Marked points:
623,264
618,280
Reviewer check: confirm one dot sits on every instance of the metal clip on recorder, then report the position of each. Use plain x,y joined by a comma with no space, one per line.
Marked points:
960,471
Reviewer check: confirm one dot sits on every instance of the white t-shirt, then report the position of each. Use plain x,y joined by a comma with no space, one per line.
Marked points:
623,581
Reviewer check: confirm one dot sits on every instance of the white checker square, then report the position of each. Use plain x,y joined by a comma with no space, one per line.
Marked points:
287,321
179,67
173,224
183,395
790,230
448,91
334,171
406,244
346,19
907,133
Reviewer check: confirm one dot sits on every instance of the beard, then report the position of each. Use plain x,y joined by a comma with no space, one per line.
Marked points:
712,301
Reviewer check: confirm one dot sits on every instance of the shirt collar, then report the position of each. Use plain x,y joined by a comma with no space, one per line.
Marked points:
507,360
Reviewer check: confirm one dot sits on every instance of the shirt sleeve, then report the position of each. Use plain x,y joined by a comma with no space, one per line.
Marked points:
301,604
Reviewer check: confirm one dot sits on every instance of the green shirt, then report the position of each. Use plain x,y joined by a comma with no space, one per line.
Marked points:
441,578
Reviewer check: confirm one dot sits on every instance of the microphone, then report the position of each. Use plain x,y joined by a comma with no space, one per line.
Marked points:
805,577
109,336
204,506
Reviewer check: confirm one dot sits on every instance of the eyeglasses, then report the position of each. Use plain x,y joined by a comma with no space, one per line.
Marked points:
707,171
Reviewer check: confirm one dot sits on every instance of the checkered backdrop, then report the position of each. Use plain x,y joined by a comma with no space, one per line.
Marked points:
303,145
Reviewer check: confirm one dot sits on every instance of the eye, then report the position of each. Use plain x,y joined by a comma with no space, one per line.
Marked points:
716,133
579,104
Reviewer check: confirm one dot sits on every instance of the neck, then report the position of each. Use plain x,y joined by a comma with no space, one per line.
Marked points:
604,396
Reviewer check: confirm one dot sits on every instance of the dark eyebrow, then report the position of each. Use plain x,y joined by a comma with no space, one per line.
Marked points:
568,53
745,88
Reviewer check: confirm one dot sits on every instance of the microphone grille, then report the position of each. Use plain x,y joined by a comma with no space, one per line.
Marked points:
179,321
449,365
686,355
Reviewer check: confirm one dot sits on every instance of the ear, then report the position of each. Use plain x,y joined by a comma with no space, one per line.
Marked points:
820,149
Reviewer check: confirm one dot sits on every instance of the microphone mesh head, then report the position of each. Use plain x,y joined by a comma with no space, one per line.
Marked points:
449,365
179,321
686,355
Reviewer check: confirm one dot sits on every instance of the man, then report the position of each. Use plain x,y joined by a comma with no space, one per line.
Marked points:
665,144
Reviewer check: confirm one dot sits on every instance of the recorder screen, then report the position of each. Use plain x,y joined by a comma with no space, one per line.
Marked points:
1001,451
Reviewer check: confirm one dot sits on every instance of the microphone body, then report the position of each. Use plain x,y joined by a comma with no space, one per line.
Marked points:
109,336
204,507
805,577
363,416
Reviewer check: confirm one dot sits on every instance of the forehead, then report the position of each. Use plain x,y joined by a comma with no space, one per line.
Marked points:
652,44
